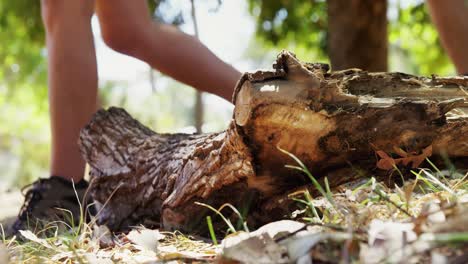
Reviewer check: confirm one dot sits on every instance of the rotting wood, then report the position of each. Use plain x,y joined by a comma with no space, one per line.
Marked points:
333,121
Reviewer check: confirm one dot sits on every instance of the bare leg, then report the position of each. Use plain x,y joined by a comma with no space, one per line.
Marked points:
451,19
128,28
72,80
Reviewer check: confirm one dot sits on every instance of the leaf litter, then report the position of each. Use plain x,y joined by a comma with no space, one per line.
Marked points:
423,221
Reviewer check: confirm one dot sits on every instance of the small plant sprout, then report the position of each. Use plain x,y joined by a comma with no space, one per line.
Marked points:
308,202
304,169
231,227
211,230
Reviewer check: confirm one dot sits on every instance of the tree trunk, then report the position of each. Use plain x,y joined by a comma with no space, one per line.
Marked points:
335,123
198,110
357,32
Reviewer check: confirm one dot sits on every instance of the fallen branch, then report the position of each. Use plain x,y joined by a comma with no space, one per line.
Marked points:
332,121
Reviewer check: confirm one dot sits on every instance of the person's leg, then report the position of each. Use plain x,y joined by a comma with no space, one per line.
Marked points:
451,20
127,27
72,72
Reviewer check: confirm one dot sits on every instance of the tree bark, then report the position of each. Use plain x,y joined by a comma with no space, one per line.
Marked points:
334,122
357,31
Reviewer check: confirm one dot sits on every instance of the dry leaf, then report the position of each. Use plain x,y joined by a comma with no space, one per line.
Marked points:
31,236
386,162
145,238
252,249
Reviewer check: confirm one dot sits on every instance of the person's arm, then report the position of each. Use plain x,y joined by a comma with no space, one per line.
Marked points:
451,19
127,27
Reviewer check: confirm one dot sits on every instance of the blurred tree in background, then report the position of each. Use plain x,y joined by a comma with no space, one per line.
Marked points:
297,25
304,26
23,90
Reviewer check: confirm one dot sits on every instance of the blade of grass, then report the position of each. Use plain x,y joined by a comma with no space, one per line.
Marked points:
459,237
227,221
327,187
80,223
367,184
304,169
300,201
425,180
93,221
422,189
310,204
395,167
3,233
211,230
460,182
439,183
384,197
436,169
234,209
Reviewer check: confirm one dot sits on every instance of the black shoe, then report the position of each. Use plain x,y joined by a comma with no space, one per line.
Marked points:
53,202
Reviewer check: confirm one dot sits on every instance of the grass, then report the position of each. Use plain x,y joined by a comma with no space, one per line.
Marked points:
301,167
372,200
349,211
84,248
211,230
231,228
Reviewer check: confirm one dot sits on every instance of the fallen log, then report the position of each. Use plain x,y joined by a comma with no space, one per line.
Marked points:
333,122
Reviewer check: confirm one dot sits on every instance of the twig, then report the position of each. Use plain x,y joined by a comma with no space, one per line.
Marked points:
392,203
331,226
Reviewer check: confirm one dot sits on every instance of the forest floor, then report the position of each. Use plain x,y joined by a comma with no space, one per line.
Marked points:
423,220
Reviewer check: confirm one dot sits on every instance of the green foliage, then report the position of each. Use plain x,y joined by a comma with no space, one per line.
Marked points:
292,24
22,38
22,53
23,93
24,137
302,26
22,15
415,41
